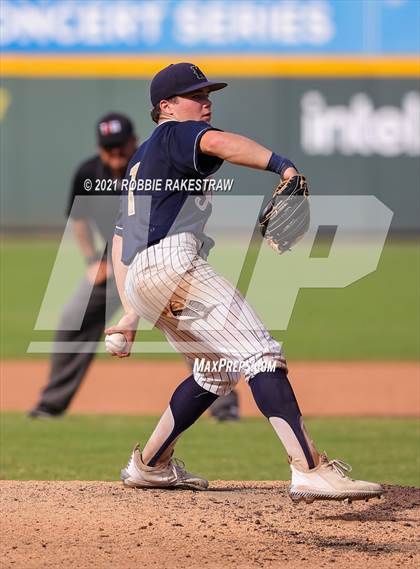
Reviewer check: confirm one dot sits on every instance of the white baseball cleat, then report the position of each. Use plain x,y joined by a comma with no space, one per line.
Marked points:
172,475
329,481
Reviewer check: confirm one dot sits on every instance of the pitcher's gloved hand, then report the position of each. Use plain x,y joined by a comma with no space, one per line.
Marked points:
285,219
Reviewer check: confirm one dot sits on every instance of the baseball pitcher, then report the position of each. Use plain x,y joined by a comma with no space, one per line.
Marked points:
160,253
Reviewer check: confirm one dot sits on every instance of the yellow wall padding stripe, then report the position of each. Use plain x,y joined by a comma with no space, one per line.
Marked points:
145,66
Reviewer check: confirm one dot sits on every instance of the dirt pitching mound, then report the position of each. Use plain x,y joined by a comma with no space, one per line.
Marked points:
234,524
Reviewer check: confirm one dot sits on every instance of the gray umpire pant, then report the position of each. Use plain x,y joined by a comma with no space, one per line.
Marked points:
67,370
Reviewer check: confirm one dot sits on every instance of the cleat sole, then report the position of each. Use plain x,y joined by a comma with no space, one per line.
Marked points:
130,483
309,497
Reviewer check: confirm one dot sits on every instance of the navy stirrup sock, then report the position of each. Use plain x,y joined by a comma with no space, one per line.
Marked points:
188,403
274,397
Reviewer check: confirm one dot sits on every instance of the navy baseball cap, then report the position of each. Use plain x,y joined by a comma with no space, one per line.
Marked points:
114,129
179,79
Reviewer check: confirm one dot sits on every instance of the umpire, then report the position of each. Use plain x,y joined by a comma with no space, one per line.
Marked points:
117,142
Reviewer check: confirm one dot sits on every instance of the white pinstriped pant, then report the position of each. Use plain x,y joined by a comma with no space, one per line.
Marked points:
202,315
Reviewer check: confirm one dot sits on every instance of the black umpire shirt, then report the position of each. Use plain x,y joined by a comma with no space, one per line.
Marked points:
99,208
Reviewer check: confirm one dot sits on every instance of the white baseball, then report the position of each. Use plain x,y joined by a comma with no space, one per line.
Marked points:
115,343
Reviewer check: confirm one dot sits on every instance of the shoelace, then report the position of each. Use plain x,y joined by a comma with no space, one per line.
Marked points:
340,466
179,466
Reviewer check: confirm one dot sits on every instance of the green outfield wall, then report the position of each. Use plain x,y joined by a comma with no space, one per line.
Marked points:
349,136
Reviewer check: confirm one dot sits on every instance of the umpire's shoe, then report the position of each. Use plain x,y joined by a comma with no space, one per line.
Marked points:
41,413
172,475
226,408
329,481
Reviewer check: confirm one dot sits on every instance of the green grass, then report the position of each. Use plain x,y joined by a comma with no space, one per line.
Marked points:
96,447
375,318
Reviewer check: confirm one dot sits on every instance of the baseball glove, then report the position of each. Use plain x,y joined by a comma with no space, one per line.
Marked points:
285,218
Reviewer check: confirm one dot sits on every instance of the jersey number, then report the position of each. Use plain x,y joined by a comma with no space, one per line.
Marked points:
132,186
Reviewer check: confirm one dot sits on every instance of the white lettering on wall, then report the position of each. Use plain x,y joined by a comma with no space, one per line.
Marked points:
228,23
216,23
359,128
87,23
